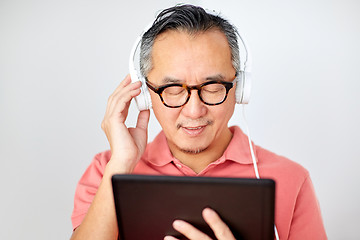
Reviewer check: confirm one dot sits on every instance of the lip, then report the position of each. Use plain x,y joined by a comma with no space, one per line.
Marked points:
193,131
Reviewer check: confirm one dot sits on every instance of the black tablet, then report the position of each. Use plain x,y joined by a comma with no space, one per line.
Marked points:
147,205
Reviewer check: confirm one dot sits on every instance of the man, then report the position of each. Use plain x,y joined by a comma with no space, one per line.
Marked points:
187,47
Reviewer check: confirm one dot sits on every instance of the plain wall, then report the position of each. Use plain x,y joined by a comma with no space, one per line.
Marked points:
60,60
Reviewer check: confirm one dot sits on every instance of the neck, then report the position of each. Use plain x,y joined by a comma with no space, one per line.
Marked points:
199,161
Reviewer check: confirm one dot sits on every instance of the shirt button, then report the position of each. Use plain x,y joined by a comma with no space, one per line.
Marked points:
179,165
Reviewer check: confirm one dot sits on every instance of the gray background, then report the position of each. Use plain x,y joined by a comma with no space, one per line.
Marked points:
60,60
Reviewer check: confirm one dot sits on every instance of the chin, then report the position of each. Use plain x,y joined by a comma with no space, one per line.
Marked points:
192,147
193,151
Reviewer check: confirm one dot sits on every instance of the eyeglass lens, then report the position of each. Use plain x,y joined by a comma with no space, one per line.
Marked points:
211,94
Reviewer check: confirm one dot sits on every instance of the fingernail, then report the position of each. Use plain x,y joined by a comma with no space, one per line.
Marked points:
208,211
170,238
177,223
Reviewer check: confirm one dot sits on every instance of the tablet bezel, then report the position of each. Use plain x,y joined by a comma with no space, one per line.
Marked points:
151,203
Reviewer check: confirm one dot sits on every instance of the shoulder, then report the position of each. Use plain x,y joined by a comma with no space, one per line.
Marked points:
97,166
102,158
280,166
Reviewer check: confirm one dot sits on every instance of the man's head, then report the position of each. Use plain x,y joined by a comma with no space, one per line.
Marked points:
189,47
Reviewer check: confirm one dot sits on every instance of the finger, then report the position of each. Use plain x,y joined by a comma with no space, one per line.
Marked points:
170,238
189,231
220,229
124,82
130,90
127,79
121,101
121,97
140,132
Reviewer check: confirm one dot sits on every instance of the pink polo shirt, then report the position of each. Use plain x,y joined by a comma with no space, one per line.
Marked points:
297,212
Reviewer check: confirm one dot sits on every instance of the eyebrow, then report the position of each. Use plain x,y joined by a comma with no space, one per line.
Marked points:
217,77
168,80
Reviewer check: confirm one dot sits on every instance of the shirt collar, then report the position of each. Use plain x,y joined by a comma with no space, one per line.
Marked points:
239,149
158,152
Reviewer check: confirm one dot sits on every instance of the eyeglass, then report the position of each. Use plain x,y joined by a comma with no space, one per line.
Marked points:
176,94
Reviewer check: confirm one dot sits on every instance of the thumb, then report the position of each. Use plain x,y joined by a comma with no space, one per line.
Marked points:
143,119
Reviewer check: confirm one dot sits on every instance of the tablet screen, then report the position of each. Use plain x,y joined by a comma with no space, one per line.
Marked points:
147,205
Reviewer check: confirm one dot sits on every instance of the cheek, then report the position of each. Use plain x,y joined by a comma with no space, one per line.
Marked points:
223,116
165,116
226,111
157,106
229,104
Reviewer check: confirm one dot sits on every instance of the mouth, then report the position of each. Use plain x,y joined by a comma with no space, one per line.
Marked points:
193,131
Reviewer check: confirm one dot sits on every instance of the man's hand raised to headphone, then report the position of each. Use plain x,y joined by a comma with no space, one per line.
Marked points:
127,144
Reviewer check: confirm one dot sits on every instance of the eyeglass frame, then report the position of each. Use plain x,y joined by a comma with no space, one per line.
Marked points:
159,90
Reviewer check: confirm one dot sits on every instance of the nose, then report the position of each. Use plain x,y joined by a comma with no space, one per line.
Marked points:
194,108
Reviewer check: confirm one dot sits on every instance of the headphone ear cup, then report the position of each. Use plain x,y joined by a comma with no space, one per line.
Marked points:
243,87
143,100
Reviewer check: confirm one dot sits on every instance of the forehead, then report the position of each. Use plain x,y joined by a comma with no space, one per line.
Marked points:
181,55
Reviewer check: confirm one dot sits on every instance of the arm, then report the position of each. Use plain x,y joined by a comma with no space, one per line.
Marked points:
127,146
307,222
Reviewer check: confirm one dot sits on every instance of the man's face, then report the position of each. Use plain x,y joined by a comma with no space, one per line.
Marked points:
192,60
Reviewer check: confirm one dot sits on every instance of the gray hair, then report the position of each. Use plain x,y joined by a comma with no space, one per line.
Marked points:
192,19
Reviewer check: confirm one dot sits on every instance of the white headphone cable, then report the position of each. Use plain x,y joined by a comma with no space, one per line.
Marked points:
250,144
254,158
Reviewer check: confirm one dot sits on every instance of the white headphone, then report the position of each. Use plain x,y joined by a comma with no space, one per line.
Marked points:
243,79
